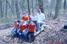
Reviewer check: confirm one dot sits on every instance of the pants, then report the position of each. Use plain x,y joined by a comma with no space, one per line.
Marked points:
39,26
13,31
35,24
19,31
24,34
30,36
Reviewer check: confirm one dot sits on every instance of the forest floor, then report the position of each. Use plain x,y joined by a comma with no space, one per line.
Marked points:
48,36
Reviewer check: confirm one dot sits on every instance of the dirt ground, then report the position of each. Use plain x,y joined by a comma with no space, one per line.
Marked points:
51,35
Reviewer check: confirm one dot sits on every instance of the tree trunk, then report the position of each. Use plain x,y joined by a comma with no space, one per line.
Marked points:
40,2
28,7
1,11
64,4
17,10
6,10
58,2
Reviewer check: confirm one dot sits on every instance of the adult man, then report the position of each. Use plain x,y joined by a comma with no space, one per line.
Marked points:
40,19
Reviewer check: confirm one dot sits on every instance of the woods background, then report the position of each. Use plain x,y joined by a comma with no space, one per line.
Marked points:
10,10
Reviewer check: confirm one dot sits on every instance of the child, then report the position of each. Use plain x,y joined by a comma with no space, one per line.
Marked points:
34,19
31,29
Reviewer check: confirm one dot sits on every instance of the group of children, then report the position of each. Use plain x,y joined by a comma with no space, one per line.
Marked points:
29,24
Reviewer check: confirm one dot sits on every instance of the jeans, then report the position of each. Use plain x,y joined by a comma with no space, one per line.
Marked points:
39,26
35,24
24,34
19,31
13,31
30,36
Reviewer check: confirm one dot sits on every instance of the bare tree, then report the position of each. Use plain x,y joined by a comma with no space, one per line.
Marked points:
58,4
40,2
17,9
51,8
65,8
1,11
22,4
64,4
12,6
28,7
6,10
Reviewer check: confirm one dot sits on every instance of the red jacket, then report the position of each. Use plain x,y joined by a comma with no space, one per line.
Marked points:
31,27
22,27
26,18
